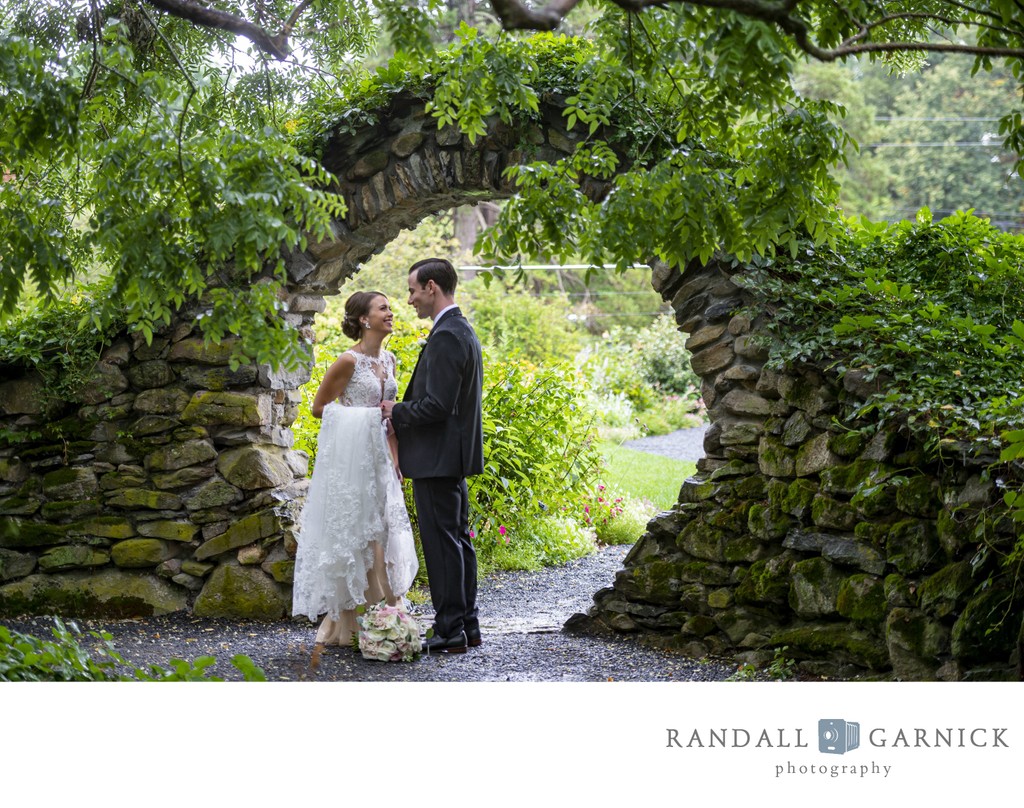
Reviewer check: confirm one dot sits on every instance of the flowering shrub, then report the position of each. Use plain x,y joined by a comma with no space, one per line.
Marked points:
614,517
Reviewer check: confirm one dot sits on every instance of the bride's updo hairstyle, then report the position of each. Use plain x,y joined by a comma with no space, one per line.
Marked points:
356,307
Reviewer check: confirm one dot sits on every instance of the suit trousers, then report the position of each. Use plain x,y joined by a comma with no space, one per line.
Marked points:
442,509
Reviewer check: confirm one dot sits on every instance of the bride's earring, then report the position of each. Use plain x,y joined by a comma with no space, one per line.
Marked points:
365,324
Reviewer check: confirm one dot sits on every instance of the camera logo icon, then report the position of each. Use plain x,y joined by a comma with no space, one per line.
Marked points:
836,736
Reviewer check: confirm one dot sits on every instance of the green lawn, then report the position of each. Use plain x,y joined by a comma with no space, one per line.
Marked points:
643,475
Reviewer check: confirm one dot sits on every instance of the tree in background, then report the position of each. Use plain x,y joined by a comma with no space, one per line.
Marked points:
926,139
141,140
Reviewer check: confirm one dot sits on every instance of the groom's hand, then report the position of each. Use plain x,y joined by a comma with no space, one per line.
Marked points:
385,409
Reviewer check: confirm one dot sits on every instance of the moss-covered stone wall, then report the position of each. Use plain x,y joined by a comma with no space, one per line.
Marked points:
171,484
844,548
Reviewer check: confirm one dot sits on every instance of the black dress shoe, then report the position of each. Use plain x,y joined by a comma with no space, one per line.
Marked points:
474,638
445,645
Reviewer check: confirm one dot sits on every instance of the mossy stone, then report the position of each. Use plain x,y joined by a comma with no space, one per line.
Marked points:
814,588
831,513
149,374
835,641
107,527
180,455
217,378
720,598
954,531
919,496
705,572
913,546
13,470
765,523
215,494
114,480
194,350
799,498
916,644
252,467
987,628
21,534
169,530
231,409
796,429
70,484
847,444
943,593
774,459
240,593
702,541
141,552
103,593
281,571
746,549
730,518
183,478
196,568
72,556
767,582
15,565
655,582
698,625
862,599
850,478
815,456
135,498
898,591
161,401
245,531
70,509
20,505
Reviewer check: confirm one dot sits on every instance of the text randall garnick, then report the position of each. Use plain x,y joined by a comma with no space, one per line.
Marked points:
793,737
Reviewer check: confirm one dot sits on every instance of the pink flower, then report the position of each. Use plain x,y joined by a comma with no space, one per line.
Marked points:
472,534
501,530
586,509
600,487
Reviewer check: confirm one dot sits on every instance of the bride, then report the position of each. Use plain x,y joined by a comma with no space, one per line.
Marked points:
355,544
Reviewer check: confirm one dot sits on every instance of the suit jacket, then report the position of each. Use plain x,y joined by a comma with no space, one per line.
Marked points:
439,423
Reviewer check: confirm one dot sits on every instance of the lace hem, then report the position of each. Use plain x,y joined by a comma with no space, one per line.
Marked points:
354,499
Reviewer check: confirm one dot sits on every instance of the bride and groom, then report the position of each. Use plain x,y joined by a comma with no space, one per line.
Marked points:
355,545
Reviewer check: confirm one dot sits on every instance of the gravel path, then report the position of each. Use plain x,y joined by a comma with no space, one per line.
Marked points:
521,617
683,444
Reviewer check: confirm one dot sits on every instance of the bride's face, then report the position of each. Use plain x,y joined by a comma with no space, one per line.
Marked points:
379,315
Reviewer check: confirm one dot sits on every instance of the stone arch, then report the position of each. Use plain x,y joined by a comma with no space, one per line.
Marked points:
396,171
172,485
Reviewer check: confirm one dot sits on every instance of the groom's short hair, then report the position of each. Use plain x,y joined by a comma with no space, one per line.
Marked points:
438,270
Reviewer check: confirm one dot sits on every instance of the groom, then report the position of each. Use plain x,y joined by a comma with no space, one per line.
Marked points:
440,443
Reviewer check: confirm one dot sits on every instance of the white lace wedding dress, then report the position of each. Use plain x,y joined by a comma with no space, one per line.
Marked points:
355,543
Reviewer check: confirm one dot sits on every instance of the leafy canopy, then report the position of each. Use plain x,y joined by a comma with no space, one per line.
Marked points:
146,141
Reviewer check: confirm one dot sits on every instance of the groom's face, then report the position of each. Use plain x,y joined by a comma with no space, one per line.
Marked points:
421,298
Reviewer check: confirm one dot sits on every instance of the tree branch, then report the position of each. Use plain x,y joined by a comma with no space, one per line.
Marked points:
274,45
516,14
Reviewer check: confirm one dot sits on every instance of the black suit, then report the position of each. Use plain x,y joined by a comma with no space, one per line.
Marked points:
440,442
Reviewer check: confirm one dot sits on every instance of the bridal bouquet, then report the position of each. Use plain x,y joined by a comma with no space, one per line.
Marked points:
388,634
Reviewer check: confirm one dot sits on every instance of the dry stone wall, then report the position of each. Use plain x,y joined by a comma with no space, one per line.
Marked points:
172,484
843,547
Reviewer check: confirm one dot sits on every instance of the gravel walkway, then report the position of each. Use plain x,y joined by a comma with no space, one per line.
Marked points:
521,616
683,444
